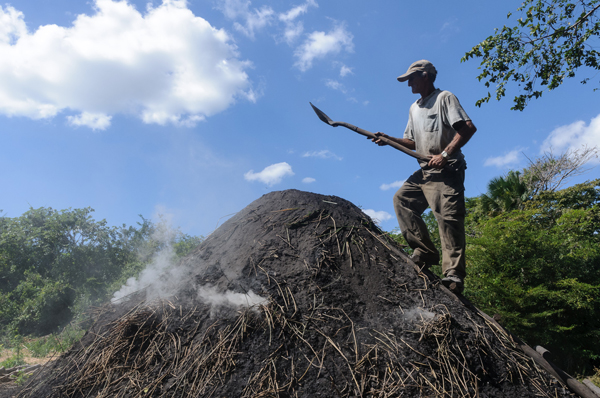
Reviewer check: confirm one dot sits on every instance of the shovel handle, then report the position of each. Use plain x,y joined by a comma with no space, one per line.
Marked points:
387,141
326,119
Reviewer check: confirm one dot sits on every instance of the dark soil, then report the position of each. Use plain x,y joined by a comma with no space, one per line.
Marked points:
346,315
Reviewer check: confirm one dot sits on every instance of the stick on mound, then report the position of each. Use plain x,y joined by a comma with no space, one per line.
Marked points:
298,295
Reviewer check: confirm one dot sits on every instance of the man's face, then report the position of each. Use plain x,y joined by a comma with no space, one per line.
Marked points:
417,82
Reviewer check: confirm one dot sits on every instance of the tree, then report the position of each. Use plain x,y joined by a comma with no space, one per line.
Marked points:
550,172
54,264
539,269
50,259
504,194
550,42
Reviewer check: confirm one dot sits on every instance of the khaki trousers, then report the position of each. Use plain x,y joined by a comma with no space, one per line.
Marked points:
444,193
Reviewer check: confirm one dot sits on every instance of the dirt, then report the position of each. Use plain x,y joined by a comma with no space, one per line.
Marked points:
346,314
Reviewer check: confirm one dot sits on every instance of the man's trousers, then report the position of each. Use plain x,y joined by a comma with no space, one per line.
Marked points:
444,193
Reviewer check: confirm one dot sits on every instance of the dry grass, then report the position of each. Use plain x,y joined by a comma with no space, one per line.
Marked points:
27,356
147,352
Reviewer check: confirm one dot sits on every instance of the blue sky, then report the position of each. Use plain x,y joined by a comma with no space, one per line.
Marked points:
195,109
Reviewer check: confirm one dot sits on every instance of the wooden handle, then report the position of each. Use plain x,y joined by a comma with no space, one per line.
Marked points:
389,142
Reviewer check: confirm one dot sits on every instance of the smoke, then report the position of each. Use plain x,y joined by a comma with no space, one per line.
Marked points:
165,275
211,295
161,275
418,314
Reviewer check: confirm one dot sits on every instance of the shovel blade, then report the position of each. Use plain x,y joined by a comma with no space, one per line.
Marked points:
321,115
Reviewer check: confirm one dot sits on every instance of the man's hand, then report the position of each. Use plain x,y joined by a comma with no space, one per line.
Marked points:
402,141
377,140
437,161
464,132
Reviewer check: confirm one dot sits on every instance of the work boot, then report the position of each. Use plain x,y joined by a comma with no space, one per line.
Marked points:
454,284
422,264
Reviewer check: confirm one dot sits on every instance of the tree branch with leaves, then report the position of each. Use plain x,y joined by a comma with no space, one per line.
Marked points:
549,43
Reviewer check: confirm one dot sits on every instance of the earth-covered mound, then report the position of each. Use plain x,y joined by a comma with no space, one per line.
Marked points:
298,295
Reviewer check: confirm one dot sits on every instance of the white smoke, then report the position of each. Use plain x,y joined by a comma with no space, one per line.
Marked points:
165,275
161,277
418,314
211,295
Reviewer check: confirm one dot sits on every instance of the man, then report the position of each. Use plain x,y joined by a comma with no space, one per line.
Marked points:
438,127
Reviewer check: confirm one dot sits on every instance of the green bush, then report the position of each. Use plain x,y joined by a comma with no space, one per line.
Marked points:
56,264
12,361
15,342
55,343
539,269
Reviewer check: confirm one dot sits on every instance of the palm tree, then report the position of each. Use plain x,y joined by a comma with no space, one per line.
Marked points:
504,194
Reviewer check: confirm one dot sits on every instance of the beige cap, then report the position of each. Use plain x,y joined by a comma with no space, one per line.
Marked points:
419,66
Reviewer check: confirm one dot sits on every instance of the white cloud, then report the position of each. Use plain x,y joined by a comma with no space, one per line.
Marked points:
308,180
345,70
165,66
378,216
449,29
270,175
294,29
234,9
324,154
573,136
95,121
335,85
295,12
255,21
395,184
508,159
252,20
12,25
321,44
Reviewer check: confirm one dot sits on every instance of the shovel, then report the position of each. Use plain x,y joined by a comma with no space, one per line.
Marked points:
368,134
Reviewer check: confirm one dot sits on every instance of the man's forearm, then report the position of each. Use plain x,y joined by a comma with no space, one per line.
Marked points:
463,135
461,138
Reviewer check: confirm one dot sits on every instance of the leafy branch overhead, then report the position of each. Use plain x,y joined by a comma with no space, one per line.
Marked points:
549,43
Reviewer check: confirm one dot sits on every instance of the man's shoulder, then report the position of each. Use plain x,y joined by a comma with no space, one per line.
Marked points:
447,98
438,95
445,94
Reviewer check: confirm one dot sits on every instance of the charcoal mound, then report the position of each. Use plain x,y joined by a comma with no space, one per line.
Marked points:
333,308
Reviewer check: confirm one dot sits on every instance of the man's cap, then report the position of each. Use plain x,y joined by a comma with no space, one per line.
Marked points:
419,66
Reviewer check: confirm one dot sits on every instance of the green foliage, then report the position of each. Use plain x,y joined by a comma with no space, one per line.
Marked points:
539,268
504,194
185,244
49,258
22,378
55,264
549,42
41,347
15,342
12,361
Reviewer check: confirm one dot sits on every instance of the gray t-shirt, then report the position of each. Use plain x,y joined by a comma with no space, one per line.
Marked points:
430,123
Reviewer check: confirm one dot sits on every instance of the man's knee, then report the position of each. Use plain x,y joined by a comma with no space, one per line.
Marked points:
411,199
